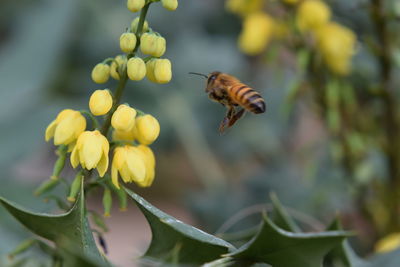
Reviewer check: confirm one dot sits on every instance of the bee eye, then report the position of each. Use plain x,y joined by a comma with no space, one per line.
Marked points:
212,78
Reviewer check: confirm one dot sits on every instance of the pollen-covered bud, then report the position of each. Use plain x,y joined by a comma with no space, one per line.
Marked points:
170,4
146,129
312,14
127,42
152,44
123,118
100,102
136,69
135,5
135,23
101,73
117,66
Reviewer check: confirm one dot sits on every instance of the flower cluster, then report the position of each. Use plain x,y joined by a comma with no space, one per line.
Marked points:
334,42
110,129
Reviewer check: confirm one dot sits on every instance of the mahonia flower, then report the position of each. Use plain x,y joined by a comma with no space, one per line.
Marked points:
152,44
150,163
118,61
91,151
312,14
136,68
244,7
126,136
127,42
257,31
146,129
336,44
66,128
101,73
100,102
123,118
135,5
170,4
128,161
159,70
135,22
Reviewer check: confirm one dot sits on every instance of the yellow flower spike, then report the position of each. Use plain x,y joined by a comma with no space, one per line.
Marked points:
101,73
100,102
66,128
170,4
152,44
336,44
123,135
258,28
146,129
128,161
244,7
135,5
123,118
163,71
388,243
150,163
91,151
136,68
115,66
312,14
127,42
134,25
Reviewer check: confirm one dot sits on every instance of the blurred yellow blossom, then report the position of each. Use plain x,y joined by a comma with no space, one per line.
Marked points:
128,161
100,102
101,73
388,243
91,151
257,31
66,128
146,129
243,7
123,118
336,44
312,14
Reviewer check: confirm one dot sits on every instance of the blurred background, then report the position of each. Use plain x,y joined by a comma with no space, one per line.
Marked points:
47,51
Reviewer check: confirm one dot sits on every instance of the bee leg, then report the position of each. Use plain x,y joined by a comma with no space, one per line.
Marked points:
235,117
226,121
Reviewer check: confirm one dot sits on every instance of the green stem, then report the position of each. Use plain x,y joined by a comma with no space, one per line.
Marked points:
92,118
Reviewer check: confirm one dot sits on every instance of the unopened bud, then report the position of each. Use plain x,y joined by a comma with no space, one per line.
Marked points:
100,102
152,44
134,25
146,129
127,42
123,118
136,69
135,5
117,66
170,4
101,73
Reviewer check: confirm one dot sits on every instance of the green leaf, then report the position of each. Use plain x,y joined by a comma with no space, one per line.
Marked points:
280,248
280,217
65,230
175,241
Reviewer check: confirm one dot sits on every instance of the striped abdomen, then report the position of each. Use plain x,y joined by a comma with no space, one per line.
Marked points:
247,97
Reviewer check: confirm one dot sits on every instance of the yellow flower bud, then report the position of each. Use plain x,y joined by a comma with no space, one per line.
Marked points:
123,118
312,14
150,163
336,44
163,71
91,151
243,7
170,4
117,65
134,25
135,5
388,243
129,162
150,70
146,129
101,73
66,128
100,102
152,44
127,42
257,31
123,135
136,68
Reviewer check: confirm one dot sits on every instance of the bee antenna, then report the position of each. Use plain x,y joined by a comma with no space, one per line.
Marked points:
200,74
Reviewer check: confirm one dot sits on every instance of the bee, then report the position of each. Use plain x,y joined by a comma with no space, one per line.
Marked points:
232,93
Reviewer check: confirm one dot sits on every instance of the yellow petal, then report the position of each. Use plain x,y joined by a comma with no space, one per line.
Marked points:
102,166
136,165
125,174
50,130
91,152
74,158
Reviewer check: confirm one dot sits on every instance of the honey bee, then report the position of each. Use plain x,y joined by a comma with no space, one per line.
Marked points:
231,93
